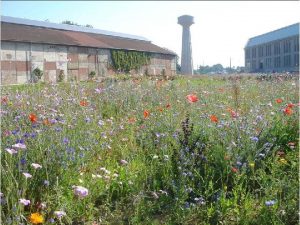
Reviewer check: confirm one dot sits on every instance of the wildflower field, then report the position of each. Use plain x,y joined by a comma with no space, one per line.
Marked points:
185,151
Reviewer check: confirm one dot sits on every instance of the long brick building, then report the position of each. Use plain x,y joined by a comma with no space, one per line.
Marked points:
72,50
275,51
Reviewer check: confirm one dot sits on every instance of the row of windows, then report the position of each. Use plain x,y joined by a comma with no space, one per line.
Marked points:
286,47
277,62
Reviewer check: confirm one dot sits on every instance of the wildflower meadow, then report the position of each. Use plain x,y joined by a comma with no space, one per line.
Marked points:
191,150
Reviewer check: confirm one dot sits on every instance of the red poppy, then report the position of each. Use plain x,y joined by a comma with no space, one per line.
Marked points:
233,169
279,100
288,111
146,114
168,106
83,103
214,119
192,98
32,117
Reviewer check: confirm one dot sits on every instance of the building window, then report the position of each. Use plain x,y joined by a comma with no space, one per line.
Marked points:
277,62
287,61
296,44
296,60
277,48
268,62
253,53
253,65
268,50
248,54
261,51
287,46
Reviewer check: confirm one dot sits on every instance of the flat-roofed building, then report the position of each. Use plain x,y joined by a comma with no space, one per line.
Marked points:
275,51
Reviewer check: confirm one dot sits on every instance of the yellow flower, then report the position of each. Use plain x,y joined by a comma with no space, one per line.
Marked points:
36,218
282,160
251,165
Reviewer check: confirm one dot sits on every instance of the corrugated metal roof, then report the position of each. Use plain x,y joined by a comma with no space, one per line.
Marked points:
281,33
15,20
35,34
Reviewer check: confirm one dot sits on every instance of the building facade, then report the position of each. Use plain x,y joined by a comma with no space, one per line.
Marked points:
73,51
276,51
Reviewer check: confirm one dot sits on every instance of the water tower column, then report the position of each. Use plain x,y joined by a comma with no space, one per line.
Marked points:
186,52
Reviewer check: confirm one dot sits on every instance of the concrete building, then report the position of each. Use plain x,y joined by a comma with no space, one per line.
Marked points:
186,53
275,51
72,50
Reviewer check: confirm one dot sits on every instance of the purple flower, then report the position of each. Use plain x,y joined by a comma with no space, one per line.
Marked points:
27,175
66,141
14,132
100,122
270,203
123,162
59,214
58,129
26,135
33,135
19,145
46,182
23,161
53,121
24,201
51,220
11,151
80,191
98,90
254,139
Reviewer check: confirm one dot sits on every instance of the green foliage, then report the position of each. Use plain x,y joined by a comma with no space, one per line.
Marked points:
61,76
180,168
37,74
92,74
125,61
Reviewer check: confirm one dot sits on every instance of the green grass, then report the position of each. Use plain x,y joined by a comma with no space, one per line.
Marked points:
182,167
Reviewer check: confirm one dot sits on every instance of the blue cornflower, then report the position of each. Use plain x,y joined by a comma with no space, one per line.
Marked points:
46,182
14,132
23,161
270,203
254,139
66,141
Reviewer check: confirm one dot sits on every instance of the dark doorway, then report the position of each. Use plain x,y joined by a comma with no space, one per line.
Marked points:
261,65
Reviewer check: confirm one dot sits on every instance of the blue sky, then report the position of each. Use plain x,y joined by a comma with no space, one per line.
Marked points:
221,29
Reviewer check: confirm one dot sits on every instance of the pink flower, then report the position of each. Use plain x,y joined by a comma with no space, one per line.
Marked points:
11,151
19,145
123,162
27,175
36,166
59,214
80,191
24,201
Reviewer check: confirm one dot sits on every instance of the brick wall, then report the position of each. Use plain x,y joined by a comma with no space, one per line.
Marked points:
18,60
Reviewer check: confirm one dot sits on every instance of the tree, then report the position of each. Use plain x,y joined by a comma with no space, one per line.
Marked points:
76,24
178,67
